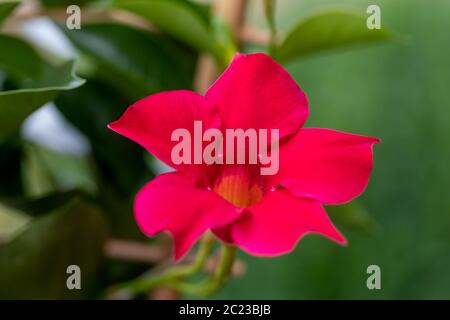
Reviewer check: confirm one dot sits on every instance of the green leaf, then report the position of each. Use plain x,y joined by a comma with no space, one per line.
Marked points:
36,206
64,3
353,216
45,170
123,75
119,74
33,265
10,168
37,178
329,30
145,67
120,166
12,221
180,19
6,8
91,108
38,83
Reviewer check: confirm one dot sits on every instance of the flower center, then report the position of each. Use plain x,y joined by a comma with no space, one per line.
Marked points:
239,186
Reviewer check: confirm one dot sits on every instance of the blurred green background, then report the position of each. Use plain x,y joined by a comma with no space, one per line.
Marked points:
60,198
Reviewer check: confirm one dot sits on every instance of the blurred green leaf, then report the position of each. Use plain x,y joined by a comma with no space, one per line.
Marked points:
12,221
145,67
20,61
353,216
10,168
37,82
120,168
181,19
329,30
35,206
90,108
34,263
45,170
65,3
121,75
36,175
6,8
124,75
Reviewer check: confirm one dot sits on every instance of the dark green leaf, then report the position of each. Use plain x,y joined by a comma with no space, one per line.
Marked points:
11,222
178,18
90,108
6,8
45,170
128,64
326,31
34,264
146,66
10,168
38,83
36,206
119,163
37,177
64,3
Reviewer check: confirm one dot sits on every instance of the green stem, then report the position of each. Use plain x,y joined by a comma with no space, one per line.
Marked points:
216,281
174,274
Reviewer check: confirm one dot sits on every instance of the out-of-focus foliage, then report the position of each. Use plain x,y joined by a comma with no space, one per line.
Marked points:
10,166
34,263
119,75
109,175
327,30
184,20
354,216
6,8
41,205
146,67
61,3
35,82
399,93
45,171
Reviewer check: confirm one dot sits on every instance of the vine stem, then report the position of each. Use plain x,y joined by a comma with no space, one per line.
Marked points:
172,275
217,280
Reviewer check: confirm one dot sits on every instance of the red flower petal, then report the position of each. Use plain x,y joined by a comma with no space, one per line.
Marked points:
151,121
275,225
329,166
175,203
256,92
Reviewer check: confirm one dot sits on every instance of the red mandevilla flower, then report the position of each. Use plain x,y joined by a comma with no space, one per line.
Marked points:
263,215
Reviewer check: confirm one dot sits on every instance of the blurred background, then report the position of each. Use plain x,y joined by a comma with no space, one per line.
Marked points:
67,183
